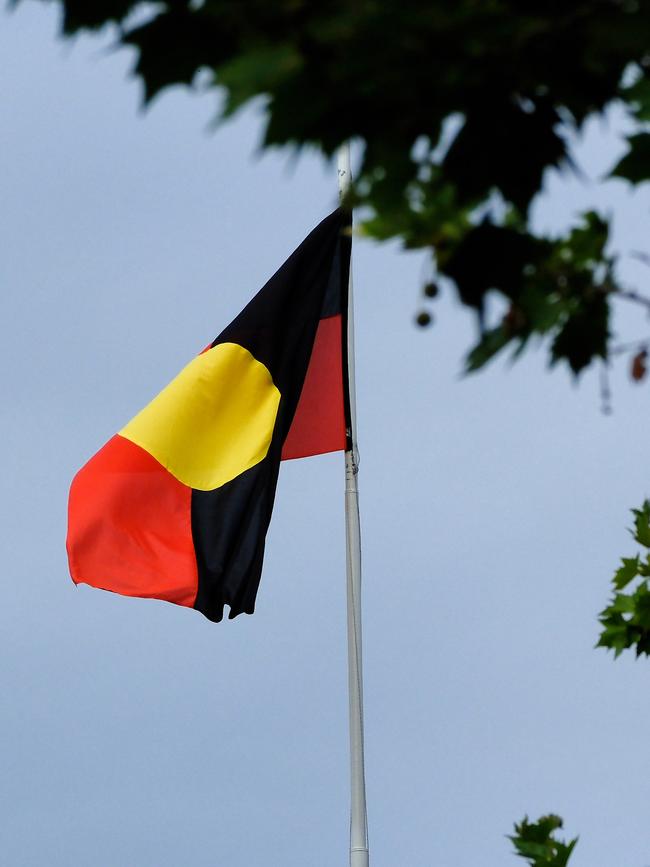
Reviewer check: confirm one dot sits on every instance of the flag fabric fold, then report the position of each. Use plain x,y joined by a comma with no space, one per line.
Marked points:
176,506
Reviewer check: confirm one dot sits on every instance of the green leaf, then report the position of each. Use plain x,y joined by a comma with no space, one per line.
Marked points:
641,530
635,165
626,620
617,633
641,610
260,70
172,47
638,98
490,344
616,638
538,844
490,257
584,335
628,571
586,242
80,14
505,146
623,604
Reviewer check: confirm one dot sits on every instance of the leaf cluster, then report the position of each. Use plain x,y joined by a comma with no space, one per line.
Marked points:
461,108
538,844
626,620
554,287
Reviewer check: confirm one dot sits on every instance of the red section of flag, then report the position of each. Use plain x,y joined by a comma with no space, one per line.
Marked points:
129,526
319,423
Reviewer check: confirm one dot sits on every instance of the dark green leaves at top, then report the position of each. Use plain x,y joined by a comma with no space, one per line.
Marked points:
537,842
626,620
637,97
585,332
490,257
260,70
172,47
635,165
557,288
582,266
505,146
86,15
584,246
460,108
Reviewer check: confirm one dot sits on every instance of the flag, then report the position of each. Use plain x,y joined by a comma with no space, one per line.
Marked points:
176,506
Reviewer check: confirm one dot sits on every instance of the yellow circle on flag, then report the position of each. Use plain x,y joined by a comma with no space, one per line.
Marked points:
213,421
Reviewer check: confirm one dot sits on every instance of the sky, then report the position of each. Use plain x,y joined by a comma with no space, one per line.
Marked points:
494,510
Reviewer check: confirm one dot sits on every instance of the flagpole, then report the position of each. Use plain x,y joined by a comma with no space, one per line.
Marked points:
358,816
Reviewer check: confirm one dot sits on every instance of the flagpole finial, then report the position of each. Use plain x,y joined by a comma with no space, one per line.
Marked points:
344,170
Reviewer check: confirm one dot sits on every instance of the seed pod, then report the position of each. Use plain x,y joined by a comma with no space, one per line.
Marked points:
430,289
638,368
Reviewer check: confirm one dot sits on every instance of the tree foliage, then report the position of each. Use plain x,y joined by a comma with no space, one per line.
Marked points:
626,620
538,844
461,107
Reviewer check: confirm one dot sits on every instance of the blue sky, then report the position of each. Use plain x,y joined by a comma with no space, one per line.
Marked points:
494,510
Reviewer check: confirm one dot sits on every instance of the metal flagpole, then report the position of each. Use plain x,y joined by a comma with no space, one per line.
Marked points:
358,815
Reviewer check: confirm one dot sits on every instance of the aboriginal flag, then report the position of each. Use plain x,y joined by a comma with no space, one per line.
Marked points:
176,506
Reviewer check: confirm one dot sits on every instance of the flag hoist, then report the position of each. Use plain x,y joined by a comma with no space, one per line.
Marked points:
177,504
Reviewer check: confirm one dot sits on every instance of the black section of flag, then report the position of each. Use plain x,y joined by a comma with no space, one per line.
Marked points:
278,328
229,527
